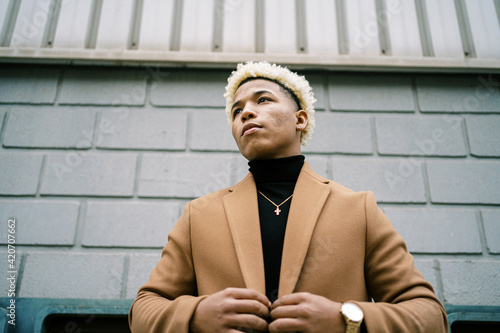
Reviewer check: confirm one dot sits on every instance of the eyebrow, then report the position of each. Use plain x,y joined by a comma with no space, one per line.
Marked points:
257,93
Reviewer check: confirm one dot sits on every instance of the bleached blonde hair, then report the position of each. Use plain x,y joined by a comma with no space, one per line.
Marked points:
292,81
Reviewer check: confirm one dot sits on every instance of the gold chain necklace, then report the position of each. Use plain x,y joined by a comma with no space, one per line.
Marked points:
277,210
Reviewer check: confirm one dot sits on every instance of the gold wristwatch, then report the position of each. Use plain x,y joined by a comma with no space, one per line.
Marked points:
353,317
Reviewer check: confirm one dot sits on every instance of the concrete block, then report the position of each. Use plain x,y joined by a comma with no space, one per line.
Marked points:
437,231
140,267
26,85
466,182
241,168
40,222
458,93
190,88
317,84
339,133
19,173
484,135
471,282
147,224
3,112
429,136
491,221
390,180
359,92
74,173
104,86
124,128
210,131
184,176
49,127
429,269
72,275
319,164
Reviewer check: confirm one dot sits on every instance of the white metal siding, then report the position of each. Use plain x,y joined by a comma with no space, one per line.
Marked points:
371,33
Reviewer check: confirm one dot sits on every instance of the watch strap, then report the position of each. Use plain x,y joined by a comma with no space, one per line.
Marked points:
352,327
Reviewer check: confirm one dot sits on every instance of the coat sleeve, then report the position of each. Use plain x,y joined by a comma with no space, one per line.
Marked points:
167,301
404,300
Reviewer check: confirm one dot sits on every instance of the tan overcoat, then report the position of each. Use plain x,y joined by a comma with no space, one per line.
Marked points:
338,244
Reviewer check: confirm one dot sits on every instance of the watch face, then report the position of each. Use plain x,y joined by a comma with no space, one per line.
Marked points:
352,311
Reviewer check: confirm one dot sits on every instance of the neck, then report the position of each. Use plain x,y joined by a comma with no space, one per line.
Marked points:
277,170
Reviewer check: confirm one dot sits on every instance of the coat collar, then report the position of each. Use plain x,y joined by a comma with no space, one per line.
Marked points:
242,212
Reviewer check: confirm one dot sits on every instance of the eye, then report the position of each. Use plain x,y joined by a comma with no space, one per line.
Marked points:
263,99
236,112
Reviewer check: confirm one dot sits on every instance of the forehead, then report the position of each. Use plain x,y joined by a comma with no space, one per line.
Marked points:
253,86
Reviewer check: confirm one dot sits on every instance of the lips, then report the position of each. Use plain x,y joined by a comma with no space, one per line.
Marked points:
250,128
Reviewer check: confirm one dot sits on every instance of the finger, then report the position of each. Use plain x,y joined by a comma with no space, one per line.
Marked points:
249,321
290,299
242,293
286,325
285,311
250,306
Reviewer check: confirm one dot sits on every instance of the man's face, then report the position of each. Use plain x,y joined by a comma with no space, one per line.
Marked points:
266,123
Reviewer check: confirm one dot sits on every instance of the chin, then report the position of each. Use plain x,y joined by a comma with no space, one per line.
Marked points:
261,151
252,156
258,156
252,153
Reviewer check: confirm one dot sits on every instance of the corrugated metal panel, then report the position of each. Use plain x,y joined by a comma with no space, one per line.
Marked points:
73,24
404,29
197,25
30,23
362,27
485,33
322,33
239,25
445,32
114,24
156,27
280,29
8,15
395,34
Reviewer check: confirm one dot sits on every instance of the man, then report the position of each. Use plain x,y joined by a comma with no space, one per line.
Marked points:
284,250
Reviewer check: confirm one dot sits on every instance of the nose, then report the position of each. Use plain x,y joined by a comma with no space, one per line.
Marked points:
247,114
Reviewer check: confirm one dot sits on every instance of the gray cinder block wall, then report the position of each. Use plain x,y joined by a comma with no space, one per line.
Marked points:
96,164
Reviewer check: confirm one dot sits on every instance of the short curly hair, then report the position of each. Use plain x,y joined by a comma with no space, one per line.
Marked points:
297,85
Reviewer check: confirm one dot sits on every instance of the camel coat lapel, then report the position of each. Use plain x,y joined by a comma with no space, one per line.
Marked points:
243,218
309,197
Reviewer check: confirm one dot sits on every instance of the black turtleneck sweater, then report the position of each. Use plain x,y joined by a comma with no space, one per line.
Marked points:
276,179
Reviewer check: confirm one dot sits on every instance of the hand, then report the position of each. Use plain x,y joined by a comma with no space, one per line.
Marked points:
305,312
230,309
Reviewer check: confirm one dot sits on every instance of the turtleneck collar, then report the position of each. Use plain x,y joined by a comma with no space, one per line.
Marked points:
277,170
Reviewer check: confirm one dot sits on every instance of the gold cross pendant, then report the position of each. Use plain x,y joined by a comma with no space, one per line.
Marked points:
277,210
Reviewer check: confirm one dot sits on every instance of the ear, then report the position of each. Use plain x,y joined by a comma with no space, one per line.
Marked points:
302,120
